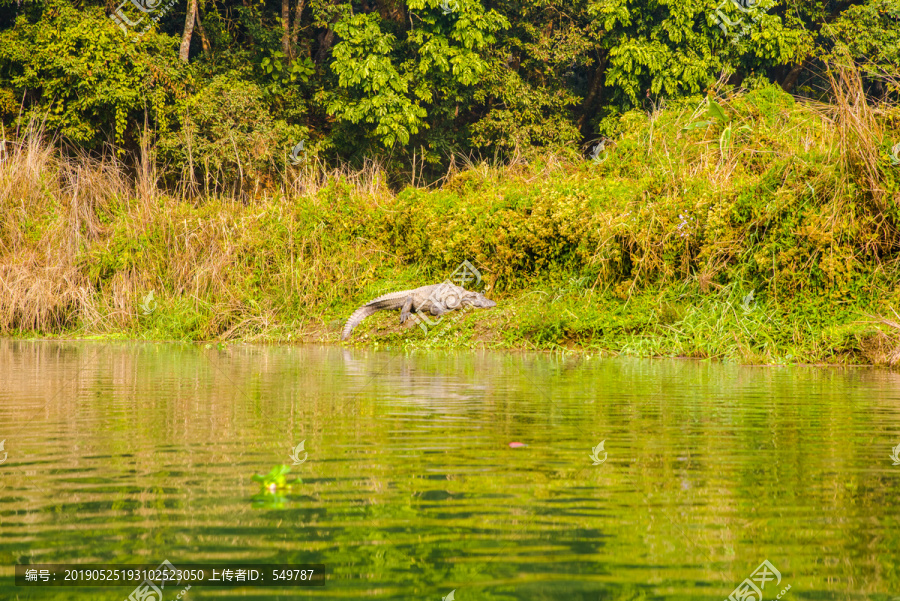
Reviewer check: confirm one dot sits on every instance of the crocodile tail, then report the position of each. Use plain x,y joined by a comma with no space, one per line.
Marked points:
357,317
392,300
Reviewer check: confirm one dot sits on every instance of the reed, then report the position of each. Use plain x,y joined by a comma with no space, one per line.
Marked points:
674,226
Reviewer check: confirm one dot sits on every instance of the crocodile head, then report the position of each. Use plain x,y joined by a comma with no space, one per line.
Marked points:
477,300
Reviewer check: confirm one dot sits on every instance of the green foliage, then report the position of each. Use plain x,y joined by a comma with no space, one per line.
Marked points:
274,488
276,479
284,74
716,189
223,129
679,49
88,82
379,85
717,115
525,115
869,34
653,250
381,81
375,90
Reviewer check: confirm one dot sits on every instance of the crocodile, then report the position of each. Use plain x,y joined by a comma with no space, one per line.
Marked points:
436,299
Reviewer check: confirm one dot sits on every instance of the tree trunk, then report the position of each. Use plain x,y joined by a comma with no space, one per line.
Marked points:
286,30
325,41
788,84
189,19
295,31
207,47
594,92
251,41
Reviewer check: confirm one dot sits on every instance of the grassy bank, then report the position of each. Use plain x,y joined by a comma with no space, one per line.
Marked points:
653,248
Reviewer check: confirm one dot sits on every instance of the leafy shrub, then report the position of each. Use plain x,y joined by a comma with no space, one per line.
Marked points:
87,81
224,136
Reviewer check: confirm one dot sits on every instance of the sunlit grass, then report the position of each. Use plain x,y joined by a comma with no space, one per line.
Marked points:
651,251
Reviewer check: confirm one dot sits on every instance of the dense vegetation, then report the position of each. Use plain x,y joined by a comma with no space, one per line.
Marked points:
744,201
222,90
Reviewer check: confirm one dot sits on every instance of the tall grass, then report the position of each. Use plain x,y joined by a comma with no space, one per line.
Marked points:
795,201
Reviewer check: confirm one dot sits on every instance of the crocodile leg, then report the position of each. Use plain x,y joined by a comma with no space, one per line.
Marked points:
438,309
405,309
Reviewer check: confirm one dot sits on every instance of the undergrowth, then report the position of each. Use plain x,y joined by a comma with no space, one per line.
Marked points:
747,226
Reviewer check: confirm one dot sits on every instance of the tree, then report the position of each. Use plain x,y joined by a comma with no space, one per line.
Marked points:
190,17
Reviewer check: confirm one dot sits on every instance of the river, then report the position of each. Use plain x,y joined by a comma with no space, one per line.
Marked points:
136,453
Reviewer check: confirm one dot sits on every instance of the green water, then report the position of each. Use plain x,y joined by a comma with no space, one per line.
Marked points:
137,453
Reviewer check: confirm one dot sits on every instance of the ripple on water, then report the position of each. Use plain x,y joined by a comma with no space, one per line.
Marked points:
135,453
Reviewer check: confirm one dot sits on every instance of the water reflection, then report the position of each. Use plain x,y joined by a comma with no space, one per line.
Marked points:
122,452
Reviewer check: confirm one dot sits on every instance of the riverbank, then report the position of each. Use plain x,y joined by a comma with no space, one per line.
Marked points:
754,228
660,323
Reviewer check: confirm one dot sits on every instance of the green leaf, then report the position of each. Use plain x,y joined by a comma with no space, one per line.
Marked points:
716,111
725,139
696,125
